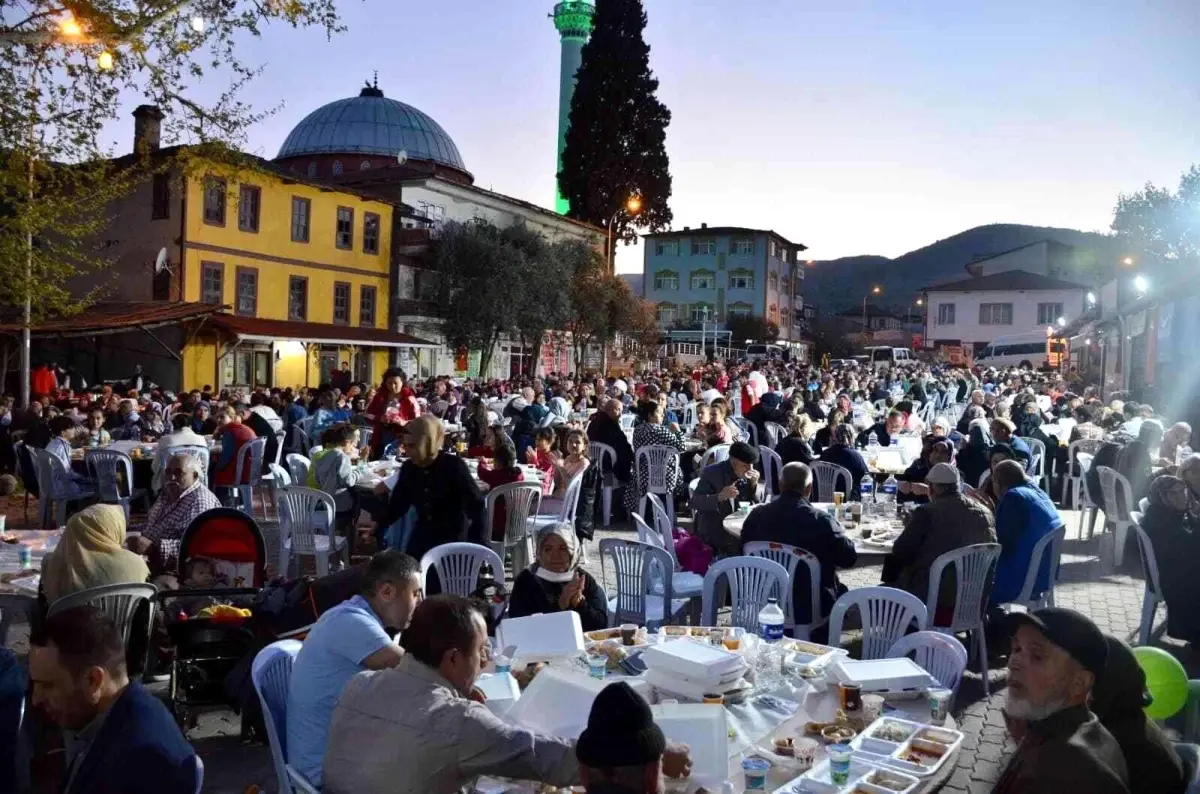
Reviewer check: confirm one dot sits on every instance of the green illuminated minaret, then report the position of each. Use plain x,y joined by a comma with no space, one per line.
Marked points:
573,19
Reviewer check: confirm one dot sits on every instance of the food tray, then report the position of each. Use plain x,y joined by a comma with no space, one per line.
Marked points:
863,775
811,654
696,660
702,632
882,675
938,744
640,638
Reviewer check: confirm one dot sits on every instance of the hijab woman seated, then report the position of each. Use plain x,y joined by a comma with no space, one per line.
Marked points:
1174,531
91,554
556,583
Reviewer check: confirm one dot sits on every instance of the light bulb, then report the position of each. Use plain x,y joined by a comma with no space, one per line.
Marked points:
105,61
198,24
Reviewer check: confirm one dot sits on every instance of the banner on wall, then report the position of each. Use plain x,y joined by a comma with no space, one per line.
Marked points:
461,359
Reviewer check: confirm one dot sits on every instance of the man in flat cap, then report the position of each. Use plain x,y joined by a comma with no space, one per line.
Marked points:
1057,655
722,485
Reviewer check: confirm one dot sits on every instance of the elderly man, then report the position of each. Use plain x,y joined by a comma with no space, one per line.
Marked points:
622,751
1057,655
1005,432
721,486
418,727
950,521
605,428
791,519
892,425
1024,515
184,496
181,435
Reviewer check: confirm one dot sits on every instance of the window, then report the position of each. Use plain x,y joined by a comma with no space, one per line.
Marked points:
701,312
741,279
344,237
784,318
247,291
666,248
743,247
312,169
366,307
773,282
666,279
370,233
738,310
341,302
666,314
214,201
995,314
772,248
298,298
945,314
704,279
1048,313
249,201
301,209
212,283
337,167
704,247
783,254
160,197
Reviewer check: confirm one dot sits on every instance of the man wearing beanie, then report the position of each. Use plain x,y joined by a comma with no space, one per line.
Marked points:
721,486
622,751
1057,655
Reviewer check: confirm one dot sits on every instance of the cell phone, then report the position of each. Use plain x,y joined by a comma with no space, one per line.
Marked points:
633,664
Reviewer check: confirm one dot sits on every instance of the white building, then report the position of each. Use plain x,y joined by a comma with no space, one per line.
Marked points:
974,311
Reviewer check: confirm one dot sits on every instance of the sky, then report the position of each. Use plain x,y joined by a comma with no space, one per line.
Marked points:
852,126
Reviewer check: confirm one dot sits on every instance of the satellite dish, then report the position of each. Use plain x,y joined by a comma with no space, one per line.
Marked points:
402,156
160,261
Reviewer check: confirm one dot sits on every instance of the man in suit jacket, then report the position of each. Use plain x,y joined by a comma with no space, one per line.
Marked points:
791,519
126,742
721,486
605,428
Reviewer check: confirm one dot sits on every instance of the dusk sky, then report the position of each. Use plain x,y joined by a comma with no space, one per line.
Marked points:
853,126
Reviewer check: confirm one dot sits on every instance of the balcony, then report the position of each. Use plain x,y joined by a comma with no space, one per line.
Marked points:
410,307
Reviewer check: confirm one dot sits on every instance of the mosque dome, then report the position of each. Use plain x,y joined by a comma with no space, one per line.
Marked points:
372,124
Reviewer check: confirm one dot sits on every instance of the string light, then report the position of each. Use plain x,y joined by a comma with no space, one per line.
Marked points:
70,27
198,24
105,61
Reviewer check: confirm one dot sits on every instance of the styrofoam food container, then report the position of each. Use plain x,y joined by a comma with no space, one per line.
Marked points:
816,780
704,729
812,654
699,661
542,638
882,675
677,686
713,683
559,701
927,737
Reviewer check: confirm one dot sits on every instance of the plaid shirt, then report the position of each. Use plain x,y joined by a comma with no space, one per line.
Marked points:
168,520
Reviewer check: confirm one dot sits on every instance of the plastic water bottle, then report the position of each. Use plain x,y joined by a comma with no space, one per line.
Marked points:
872,446
770,654
888,499
895,442
866,489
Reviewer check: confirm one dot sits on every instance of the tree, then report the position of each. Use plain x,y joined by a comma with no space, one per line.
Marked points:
590,294
616,138
1163,224
751,328
64,67
543,305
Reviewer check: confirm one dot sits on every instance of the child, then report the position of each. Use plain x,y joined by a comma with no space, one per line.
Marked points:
334,473
565,469
541,455
503,472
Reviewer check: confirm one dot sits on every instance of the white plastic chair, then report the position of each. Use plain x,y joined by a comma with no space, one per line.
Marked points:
248,474
521,500
974,570
775,432
13,605
752,580
627,421
300,513
690,420
113,473
652,464
772,468
686,585
634,564
1075,471
597,452
1088,504
942,655
300,439
717,453
201,454
887,613
828,475
298,467
790,558
1153,591
458,566
55,487
1037,468
1051,543
271,673
746,430
1189,754
566,515
1118,504
120,602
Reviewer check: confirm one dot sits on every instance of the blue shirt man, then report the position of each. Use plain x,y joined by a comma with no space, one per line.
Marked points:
349,638
1024,515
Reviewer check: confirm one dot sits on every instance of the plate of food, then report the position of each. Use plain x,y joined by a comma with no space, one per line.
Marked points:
923,753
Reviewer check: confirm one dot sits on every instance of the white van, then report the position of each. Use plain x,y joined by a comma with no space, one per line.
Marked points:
1019,350
881,357
765,353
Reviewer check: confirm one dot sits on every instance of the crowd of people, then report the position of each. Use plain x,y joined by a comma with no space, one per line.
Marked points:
984,474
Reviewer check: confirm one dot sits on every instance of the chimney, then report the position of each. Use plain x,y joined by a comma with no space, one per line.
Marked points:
147,128
687,228
704,226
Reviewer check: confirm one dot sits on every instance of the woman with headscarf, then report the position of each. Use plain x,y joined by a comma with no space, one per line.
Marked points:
841,452
973,459
556,583
448,504
91,553
1175,536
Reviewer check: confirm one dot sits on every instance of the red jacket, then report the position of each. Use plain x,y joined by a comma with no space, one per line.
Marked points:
43,382
238,435
409,409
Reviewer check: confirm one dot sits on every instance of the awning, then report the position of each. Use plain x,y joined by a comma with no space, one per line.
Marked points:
116,317
254,329
1080,324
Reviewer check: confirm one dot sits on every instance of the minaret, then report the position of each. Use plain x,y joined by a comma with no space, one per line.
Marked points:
573,19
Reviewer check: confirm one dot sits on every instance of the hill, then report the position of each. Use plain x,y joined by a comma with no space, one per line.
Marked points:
838,284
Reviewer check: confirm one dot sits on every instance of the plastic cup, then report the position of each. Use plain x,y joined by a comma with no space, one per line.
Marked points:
716,636
872,708
850,696
3,522
628,633
714,698
597,666
731,640
744,508
839,763
755,769
939,705
805,751
838,498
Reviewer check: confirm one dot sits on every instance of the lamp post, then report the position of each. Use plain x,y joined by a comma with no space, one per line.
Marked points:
874,291
920,302
632,206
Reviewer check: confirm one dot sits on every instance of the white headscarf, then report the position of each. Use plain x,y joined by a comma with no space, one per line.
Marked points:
567,533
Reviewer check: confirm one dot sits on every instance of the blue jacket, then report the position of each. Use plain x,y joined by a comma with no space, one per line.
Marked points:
1024,516
138,750
1023,450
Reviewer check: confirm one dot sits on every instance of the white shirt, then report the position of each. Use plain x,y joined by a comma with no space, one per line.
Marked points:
268,413
760,382
708,395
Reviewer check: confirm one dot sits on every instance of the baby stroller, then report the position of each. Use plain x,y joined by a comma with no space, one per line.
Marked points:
210,626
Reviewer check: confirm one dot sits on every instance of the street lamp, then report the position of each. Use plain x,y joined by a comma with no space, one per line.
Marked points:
1091,298
1141,284
874,291
1127,261
632,206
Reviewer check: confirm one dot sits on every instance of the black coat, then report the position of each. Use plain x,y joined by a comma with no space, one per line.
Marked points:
450,506
531,596
881,435
1067,751
793,449
792,520
1176,549
851,460
605,430
262,428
